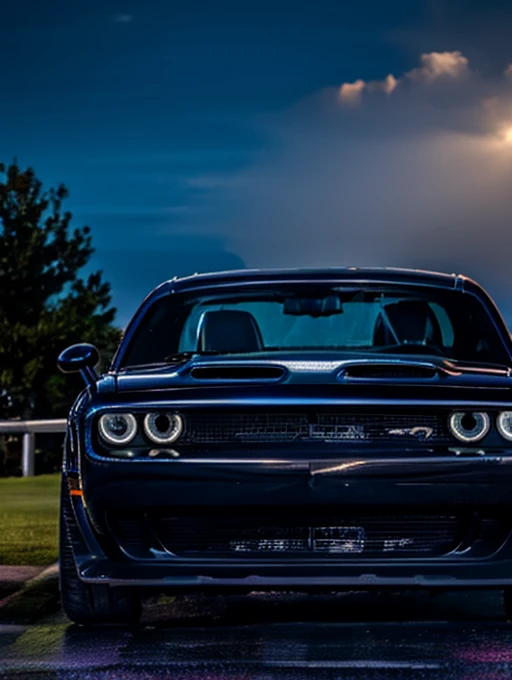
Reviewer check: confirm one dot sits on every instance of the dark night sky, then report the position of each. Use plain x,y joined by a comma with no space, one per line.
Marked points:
151,111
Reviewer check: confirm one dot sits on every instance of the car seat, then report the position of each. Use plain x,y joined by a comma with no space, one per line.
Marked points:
407,322
228,330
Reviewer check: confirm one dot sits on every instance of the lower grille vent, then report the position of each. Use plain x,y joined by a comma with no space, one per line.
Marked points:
330,534
243,533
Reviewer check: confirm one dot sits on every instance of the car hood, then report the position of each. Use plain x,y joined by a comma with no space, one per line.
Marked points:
306,373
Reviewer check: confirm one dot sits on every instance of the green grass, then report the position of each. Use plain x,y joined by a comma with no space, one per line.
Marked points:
29,513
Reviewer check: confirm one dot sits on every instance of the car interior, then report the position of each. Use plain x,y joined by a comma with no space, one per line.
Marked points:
229,330
406,322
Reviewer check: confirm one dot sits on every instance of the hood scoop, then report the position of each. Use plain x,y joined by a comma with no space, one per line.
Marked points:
389,371
237,373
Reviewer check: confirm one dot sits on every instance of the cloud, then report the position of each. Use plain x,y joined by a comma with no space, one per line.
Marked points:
388,85
418,178
351,93
434,66
123,18
437,65
508,72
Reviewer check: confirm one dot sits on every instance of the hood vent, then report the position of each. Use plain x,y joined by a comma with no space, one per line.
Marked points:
238,373
391,371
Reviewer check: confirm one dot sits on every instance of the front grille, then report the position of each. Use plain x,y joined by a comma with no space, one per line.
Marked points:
221,428
242,533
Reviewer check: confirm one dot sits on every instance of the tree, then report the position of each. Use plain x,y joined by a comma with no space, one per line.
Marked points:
44,304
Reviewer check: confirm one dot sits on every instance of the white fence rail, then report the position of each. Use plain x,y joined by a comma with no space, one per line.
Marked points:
29,429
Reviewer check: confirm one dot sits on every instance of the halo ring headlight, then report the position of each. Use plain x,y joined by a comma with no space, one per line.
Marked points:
163,428
117,428
504,424
469,426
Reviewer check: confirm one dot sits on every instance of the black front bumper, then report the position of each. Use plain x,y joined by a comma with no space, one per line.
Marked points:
448,483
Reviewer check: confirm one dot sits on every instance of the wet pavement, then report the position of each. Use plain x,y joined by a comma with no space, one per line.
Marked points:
265,637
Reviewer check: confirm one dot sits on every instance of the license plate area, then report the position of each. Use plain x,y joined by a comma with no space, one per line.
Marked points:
338,540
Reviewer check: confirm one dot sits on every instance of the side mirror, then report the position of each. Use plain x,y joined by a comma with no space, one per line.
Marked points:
83,358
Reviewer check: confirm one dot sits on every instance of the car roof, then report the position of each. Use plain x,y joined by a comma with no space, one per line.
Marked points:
342,274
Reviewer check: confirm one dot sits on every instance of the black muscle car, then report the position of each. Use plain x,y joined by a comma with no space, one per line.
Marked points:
295,429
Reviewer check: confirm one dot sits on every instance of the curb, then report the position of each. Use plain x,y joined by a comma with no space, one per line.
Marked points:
41,574
49,572
10,574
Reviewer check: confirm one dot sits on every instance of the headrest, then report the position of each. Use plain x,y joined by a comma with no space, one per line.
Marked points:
407,321
228,330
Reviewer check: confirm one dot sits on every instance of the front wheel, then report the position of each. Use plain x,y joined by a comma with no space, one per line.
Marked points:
84,603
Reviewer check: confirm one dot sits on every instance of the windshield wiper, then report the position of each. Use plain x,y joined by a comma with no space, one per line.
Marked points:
184,356
177,358
410,348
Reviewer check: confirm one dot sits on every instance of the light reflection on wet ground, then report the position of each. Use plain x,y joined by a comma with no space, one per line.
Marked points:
357,635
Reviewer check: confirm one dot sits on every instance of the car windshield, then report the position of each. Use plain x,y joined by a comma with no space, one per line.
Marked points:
299,318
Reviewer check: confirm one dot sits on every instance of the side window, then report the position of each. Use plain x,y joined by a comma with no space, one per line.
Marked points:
444,324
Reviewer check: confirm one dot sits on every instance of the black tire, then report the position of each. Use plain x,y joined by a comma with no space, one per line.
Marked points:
84,603
507,602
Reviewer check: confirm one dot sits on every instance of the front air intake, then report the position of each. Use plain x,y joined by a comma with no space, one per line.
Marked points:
388,372
238,373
